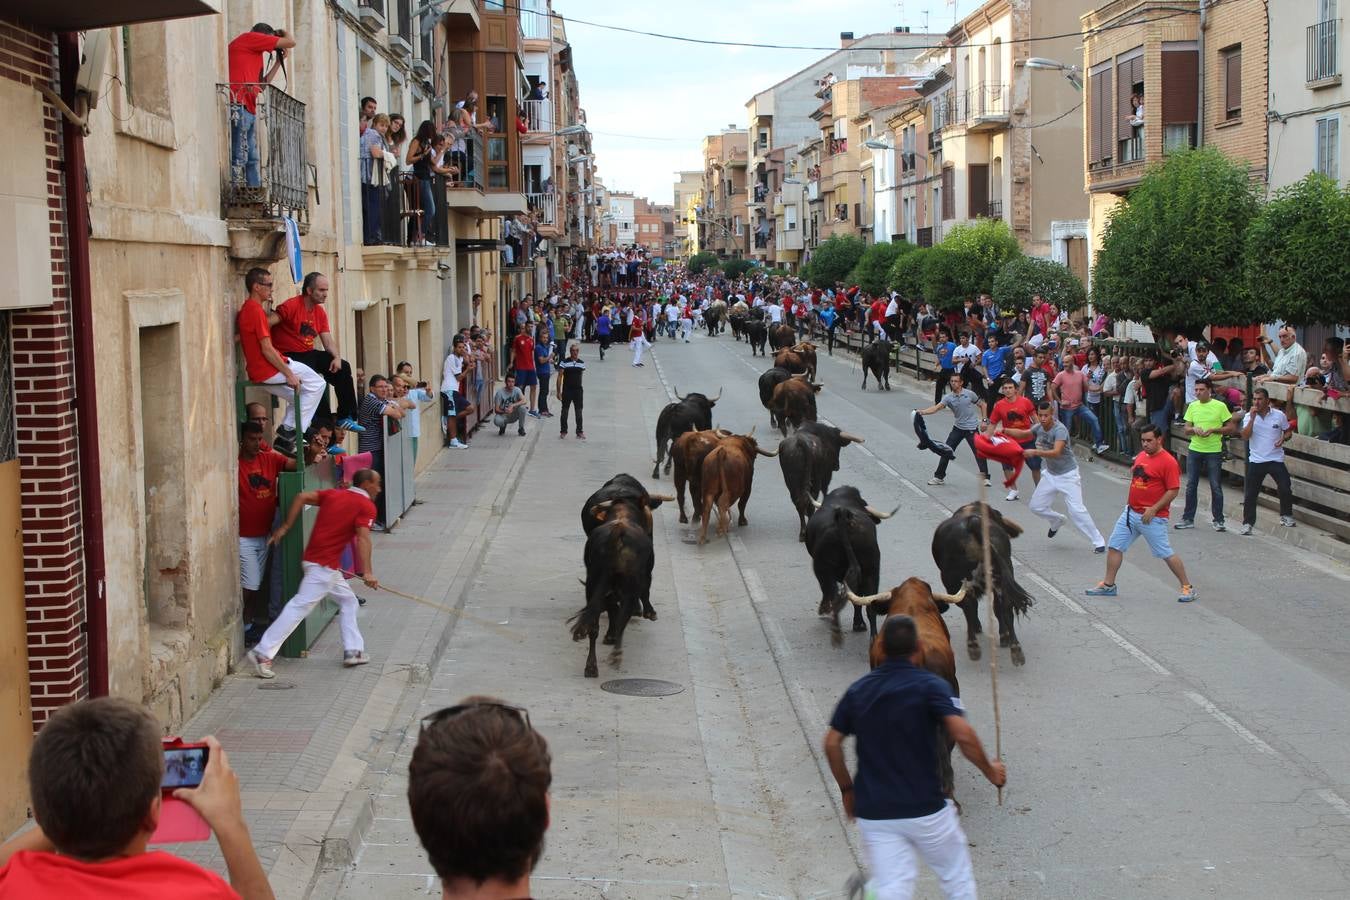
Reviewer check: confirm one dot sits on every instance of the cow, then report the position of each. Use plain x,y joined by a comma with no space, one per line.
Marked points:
915,598
809,458
806,351
757,335
621,487
958,550
693,410
619,560
767,382
782,336
794,402
689,451
791,360
876,359
841,537
728,475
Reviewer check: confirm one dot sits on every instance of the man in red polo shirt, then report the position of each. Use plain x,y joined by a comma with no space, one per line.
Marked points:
258,470
264,365
522,361
300,330
246,81
344,516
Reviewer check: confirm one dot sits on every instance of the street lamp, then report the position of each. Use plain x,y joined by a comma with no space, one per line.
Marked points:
1073,73
876,144
572,129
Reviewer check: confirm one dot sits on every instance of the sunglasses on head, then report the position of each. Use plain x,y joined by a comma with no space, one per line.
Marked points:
451,711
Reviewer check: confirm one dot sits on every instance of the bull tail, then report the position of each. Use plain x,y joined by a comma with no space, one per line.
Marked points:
1005,586
853,573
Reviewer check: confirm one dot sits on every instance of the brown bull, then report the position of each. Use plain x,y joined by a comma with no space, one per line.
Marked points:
915,598
728,474
807,351
781,336
791,360
794,402
689,451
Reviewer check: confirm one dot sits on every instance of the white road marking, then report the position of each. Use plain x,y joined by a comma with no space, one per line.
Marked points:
1233,724
1336,801
1052,590
1131,649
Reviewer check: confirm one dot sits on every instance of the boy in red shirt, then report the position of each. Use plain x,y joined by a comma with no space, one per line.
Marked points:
344,516
1012,416
94,774
258,470
245,55
522,360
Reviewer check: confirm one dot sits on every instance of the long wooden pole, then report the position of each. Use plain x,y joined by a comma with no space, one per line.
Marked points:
993,623
490,626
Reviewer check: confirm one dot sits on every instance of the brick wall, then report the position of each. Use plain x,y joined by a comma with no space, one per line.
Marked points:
44,395
1244,138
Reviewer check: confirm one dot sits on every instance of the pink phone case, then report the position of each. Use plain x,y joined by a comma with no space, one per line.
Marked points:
179,822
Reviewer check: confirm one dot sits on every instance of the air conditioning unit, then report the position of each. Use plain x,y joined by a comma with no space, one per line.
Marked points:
95,47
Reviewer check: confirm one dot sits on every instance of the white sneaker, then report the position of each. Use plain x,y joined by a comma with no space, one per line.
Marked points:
936,480
352,658
987,482
262,666
1288,522
1246,529
1012,495
457,444
1102,448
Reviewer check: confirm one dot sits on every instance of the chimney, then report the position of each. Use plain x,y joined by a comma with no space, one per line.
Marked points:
845,38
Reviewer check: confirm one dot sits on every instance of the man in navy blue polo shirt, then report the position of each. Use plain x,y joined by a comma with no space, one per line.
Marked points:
894,712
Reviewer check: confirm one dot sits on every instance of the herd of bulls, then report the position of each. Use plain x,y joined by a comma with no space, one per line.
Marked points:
838,526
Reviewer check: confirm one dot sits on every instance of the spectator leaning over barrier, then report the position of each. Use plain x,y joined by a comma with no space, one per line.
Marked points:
1265,430
478,793
376,406
301,322
1289,364
95,775
1068,389
372,157
1207,421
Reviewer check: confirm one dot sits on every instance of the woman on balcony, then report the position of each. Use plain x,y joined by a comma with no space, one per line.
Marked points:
419,157
374,152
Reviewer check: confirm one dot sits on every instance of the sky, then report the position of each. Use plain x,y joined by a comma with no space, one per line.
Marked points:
650,101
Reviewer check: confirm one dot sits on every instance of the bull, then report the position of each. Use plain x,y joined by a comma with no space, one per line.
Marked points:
789,359
958,550
781,337
736,318
619,560
728,475
757,335
621,487
806,351
689,451
767,382
841,537
794,402
915,598
693,410
809,458
876,359
714,316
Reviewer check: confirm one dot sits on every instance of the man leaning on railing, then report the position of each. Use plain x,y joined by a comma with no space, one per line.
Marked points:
247,79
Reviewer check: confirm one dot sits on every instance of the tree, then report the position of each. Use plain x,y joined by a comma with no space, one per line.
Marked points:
735,268
700,262
976,252
1024,276
940,279
874,266
906,274
834,259
1296,263
1172,253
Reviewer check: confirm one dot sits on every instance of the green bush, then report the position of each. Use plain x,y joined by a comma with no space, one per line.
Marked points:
735,268
701,262
1171,254
1024,276
942,278
834,259
906,274
874,266
977,251
1295,254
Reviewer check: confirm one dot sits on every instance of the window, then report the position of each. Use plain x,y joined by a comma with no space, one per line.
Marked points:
948,193
145,67
790,217
1329,147
763,138
1101,142
1179,94
1232,82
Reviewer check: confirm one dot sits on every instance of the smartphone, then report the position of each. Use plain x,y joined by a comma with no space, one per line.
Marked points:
184,765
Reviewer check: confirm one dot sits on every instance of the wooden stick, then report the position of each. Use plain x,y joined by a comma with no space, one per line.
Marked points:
993,621
490,626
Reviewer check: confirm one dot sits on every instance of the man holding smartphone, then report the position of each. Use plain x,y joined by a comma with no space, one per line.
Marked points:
96,775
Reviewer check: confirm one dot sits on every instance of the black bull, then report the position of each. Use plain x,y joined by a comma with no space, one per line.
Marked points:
809,458
958,551
685,414
619,559
841,537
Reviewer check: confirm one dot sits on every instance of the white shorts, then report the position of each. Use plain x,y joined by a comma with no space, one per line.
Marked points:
252,561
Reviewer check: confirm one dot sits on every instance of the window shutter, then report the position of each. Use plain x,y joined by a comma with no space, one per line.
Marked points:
461,73
1094,129
1180,86
1128,74
1101,136
978,190
1233,83
949,193
494,80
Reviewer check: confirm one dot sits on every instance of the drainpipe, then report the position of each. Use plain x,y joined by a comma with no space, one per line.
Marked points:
86,405
1200,72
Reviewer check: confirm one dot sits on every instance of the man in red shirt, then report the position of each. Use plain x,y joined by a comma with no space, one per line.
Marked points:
258,470
264,365
296,326
247,79
522,360
95,774
344,516
1154,483
1012,416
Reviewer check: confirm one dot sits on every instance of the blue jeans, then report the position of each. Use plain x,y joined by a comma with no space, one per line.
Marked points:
1068,415
244,146
428,209
371,196
1212,464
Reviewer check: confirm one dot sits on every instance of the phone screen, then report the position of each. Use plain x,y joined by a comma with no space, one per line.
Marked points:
184,767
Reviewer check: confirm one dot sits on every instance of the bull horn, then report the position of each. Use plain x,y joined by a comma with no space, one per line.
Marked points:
582,581
865,601
664,498
877,514
953,599
816,503
845,436
762,452
817,385
603,504
751,433
719,394
676,389
798,375
724,433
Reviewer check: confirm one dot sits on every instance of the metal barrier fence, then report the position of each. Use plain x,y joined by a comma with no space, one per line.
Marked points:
399,472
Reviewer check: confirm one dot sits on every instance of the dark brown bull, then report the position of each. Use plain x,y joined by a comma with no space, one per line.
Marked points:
807,351
689,451
619,561
794,402
781,336
728,475
789,359
915,598
621,487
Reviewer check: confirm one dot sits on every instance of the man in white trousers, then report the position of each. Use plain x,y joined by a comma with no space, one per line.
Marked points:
686,319
1059,477
896,795
343,515
639,341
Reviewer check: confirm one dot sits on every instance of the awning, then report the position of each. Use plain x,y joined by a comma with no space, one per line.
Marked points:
82,16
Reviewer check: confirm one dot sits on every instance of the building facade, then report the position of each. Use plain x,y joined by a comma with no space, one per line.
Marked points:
687,186
1308,98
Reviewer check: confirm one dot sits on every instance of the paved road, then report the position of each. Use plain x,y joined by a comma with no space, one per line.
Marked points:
1154,749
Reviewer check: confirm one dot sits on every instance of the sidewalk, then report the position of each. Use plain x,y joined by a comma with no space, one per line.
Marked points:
304,741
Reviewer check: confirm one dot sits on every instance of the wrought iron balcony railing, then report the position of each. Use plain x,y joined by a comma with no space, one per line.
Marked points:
265,164
1323,61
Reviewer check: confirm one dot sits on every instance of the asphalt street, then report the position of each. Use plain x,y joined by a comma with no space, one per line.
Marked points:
1154,749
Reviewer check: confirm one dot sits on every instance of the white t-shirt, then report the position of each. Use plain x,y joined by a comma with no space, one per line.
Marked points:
454,367
1194,370
1265,432
961,356
759,301
892,308
775,313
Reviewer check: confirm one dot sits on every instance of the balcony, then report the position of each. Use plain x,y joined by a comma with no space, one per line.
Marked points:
277,184
981,109
401,35
835,146
371,13
538,116
405,223
1324,68
544,207
535,25
935,141
995,210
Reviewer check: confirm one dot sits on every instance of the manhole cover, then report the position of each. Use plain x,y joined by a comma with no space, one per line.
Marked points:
275,686
642,687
